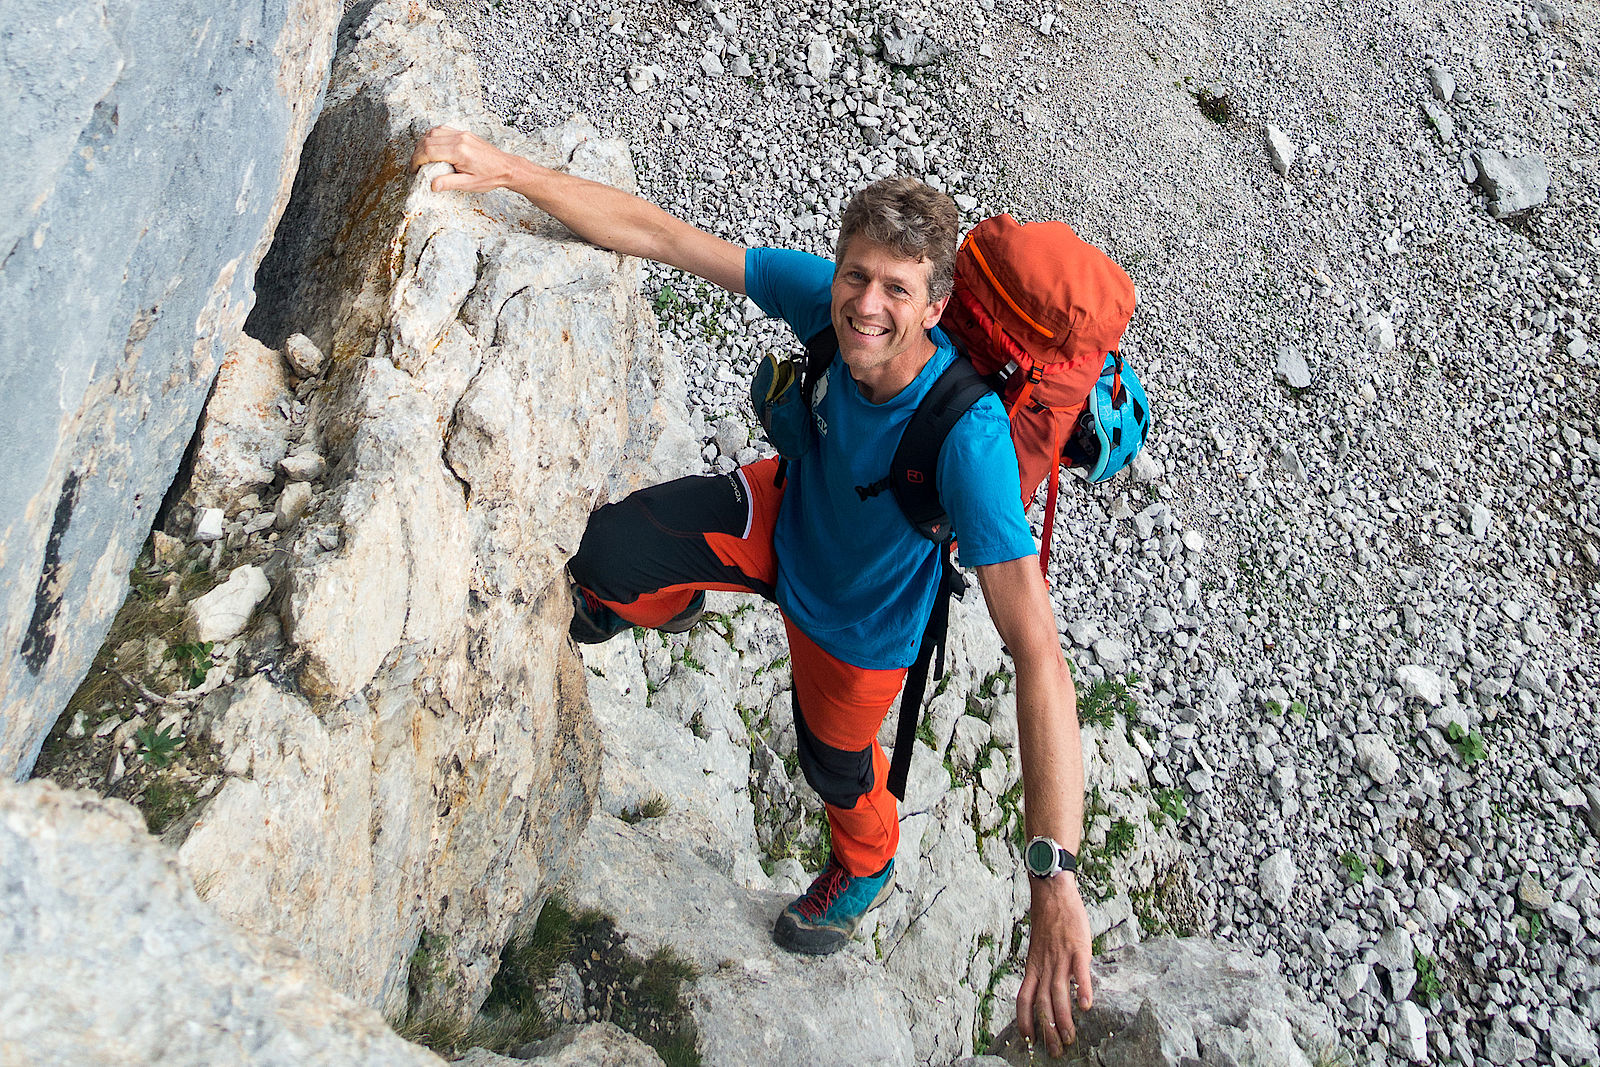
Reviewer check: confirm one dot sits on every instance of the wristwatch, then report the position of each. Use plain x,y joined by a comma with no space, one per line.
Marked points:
1046,859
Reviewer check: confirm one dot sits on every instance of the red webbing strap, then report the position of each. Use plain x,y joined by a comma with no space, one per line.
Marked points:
1033,375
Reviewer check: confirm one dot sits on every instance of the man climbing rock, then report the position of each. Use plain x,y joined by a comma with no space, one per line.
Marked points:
855,581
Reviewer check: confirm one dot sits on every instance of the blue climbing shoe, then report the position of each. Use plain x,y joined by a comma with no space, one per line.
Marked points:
831,911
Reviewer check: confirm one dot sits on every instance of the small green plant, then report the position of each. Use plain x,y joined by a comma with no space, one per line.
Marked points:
653,808
157,749
1119,838
925,732
688,660
1104,700
1298,708
1469,745
776,665
667,300
164,801
194,658
1273,707
813,855
1215,103
1531,928
1428,986
993,682
1354,865
1379,866
1172,804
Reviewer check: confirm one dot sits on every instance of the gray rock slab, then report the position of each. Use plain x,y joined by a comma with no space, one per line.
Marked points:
905,45
122,963
130,241
1280,150
1411,1032
1276,878
1511,184
1376,756
1291,368
599,1044
1163,1001
745,996
1420,683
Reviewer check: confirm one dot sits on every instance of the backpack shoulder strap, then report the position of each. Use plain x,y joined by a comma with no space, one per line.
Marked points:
820,350
913,474
929,654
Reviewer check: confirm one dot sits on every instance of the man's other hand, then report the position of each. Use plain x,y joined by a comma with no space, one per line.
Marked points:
1058,959
479,165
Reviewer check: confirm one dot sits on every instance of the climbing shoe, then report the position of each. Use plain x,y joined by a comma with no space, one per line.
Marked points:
593,622
684,621
829,913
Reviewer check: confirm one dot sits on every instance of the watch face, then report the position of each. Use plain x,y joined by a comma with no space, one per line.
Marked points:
1041,857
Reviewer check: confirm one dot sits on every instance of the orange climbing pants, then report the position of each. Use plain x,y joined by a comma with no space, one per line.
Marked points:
646,556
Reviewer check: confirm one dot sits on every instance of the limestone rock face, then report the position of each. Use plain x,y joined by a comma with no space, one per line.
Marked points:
129,241
109,957
696,763
422,756
1176,1001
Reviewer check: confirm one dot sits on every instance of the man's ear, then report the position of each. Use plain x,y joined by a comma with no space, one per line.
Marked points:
930,319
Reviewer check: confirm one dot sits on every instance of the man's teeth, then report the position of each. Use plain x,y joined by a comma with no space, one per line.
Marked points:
870,331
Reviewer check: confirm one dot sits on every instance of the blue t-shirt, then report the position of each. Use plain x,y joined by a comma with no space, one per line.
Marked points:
854,574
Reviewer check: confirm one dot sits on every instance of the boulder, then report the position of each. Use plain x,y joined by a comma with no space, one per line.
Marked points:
130,241
244,431
1511,184
122,963
223,613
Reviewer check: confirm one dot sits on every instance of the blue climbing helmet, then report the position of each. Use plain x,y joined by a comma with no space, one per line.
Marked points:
1113,424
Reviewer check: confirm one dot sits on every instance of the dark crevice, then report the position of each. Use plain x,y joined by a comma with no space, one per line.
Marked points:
40,640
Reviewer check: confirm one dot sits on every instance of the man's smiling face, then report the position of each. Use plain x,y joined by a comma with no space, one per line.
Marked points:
882,315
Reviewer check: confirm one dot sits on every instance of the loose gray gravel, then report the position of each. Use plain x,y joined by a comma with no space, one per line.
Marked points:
1356,582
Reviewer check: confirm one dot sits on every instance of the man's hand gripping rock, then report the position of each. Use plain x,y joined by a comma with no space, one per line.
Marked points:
1058,960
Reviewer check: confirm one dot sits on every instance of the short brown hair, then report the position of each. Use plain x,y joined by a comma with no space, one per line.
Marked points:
911,217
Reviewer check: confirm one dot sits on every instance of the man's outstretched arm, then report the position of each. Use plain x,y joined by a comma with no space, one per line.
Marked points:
597,213
1052,774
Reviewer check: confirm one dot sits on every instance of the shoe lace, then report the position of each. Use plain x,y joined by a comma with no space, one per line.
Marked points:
591,602
823,892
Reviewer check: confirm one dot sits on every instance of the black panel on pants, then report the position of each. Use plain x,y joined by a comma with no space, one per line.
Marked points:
839,777
656,537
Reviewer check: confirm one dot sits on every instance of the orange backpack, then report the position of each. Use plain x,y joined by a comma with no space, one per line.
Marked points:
1037,306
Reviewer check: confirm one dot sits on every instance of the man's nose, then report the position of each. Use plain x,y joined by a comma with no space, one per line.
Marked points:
873,299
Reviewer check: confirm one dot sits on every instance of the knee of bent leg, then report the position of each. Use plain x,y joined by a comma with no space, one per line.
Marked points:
840,777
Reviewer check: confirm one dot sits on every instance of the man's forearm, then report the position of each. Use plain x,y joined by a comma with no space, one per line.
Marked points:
600,214
1047,705
1052,753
